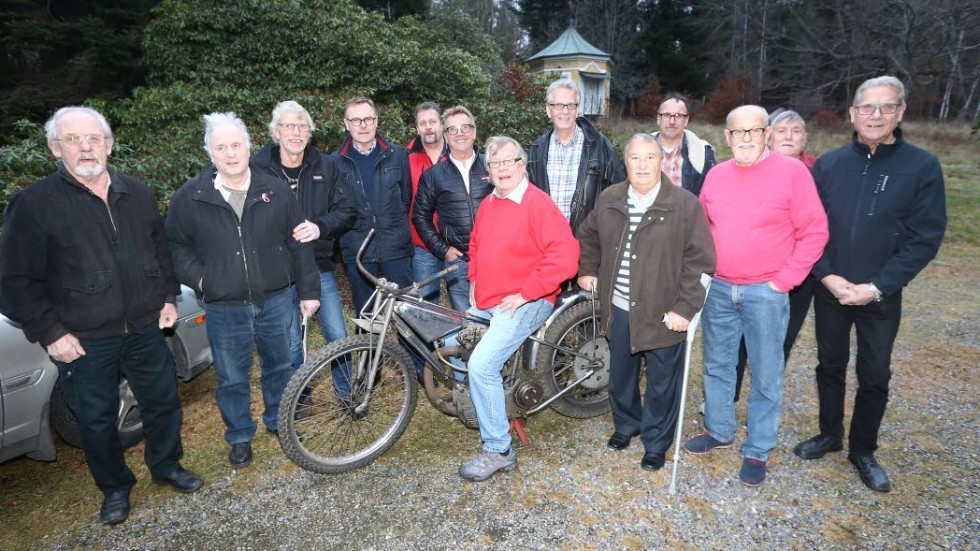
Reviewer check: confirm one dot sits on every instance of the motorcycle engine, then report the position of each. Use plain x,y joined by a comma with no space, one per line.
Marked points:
464,407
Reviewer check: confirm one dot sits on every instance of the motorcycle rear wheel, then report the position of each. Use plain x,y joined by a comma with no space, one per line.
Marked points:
574,329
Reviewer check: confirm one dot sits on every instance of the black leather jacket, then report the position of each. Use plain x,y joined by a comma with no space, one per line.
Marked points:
441,191
599,168
324,199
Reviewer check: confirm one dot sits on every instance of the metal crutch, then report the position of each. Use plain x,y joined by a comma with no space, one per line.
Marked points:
692,328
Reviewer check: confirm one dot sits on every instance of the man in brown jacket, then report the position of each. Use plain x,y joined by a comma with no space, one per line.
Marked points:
644,247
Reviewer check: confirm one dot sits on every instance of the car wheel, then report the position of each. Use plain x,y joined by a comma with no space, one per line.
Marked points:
128,420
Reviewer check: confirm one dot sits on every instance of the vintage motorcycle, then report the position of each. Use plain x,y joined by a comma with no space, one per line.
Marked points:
353,399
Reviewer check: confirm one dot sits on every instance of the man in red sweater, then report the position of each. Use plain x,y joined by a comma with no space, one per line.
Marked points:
769,228
521,250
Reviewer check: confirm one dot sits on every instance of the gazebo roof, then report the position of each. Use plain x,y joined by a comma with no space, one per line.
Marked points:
569,44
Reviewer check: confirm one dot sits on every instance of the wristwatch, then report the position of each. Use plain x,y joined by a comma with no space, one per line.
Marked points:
876,295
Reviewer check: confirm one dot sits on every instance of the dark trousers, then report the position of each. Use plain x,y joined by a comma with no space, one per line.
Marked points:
91,386
656,418
799,305
877,325
398,271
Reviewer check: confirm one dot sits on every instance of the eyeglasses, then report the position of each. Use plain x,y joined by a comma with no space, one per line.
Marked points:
870,108
289,127
504,163
673,116
75,140
563,106
464,128
366,121
739,133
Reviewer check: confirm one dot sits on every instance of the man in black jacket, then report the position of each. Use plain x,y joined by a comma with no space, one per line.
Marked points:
231,234
573,162
886,208
453,190
687,158
379,178
327,208
87,273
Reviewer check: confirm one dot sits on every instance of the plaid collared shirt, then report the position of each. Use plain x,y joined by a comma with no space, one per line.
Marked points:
563,161
672,165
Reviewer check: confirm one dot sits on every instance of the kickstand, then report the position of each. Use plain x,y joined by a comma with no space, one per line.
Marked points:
517,425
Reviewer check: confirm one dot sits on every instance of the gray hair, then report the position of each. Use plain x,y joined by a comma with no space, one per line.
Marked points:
214,120
787,116
759,110
288,106
426,106
643,137
562,83
51,127
496,142
886,80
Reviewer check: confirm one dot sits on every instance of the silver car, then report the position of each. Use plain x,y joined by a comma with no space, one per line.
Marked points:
31,401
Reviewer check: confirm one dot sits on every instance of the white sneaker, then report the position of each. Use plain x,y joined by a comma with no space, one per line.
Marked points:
486,464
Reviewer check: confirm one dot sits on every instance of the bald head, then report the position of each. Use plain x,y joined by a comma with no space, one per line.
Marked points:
747,131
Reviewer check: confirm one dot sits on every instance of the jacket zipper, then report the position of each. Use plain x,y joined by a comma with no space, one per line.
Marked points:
241,241
857,207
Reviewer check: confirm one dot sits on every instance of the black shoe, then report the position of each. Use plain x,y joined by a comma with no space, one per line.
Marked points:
240,454
182,480
619,441
115,507
273,432
818,446
653,461
870,471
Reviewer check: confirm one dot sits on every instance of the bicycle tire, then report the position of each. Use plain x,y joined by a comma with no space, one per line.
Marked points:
573,329
323,433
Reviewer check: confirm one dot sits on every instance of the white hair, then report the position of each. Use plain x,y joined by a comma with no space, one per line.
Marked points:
763,114
51,127
562,83
496,142
788,116
643,137
214,120
886,80
288,106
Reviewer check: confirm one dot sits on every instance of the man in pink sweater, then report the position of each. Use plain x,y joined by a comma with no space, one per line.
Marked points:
769,228
521,250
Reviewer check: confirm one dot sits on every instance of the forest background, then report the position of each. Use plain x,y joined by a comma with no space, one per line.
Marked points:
154,67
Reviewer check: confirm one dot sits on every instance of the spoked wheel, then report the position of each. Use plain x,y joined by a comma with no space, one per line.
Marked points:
325,425
575,330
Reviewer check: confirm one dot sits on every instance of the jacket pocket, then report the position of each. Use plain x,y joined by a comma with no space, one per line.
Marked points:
89,305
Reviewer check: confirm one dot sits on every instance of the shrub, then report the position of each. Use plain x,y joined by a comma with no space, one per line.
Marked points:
731,91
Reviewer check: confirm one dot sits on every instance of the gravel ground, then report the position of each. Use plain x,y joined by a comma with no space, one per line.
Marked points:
571,492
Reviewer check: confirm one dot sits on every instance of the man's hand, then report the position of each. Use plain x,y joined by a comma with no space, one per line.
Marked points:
66,349
589,283
677,322
838,286
168,315
773,286
512,302
308,307
859,296
473,294
306,231
453,254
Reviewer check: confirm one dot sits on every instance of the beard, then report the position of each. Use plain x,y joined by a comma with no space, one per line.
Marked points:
89,171
430,138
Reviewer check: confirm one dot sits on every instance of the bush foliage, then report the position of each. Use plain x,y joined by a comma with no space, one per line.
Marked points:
246,56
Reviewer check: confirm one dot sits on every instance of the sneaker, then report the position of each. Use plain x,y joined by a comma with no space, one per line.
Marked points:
486,464
704,443
753,472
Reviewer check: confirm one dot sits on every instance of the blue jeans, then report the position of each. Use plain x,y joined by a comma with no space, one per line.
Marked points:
91,388
761,315
502,339
232,331
426,265
459,284
331,316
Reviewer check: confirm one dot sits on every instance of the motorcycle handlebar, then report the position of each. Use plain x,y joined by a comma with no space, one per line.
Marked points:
396,292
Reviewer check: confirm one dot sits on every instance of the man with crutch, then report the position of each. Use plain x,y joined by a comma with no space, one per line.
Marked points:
644,248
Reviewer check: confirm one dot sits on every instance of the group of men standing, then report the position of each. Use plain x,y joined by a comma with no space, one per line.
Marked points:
90,269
